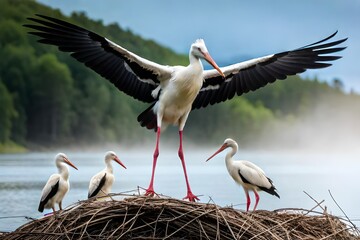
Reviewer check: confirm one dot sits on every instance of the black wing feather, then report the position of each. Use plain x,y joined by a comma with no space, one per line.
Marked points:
99,187
52,193
279,66
95,52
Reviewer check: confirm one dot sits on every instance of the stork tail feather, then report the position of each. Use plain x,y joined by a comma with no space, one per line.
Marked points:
41,206
271,190
148,118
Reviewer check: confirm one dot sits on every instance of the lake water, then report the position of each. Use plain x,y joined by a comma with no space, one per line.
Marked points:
22,177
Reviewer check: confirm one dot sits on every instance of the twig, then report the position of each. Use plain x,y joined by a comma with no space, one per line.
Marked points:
355,228
314,200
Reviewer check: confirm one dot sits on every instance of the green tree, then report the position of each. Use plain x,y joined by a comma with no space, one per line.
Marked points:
16,71
52,94
7,113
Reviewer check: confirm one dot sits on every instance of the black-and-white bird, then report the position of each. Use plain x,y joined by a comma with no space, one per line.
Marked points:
247,174
57,186
173,91
101,183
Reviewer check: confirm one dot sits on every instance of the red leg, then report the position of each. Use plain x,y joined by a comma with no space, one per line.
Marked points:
150,190
189,195
257,197
54,211
247,201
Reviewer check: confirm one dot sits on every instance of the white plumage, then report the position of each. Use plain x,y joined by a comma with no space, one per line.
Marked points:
245,173
57,186
101,183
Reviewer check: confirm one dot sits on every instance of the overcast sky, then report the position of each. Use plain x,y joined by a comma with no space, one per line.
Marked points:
233,29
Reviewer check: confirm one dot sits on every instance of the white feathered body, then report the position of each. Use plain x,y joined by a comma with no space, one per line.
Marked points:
178,94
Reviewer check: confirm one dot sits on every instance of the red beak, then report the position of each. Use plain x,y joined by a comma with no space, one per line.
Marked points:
222,148
70,163
116,159
209,59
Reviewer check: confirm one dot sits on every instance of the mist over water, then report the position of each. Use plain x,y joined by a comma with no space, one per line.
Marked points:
328,127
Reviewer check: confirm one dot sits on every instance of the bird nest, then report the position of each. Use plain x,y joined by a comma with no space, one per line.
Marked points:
139,217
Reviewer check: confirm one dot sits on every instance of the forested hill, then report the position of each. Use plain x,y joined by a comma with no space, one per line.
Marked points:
49,99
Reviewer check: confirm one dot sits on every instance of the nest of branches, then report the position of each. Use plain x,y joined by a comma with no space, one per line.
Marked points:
139,217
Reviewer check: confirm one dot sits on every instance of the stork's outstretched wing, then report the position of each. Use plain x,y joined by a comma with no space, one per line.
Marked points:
130,73
253,74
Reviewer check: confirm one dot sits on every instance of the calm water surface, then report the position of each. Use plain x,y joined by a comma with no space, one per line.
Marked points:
22,177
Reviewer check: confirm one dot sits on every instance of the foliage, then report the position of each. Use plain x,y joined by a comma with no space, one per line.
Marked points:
8,113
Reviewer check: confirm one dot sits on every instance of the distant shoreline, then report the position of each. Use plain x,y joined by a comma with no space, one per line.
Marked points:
11,147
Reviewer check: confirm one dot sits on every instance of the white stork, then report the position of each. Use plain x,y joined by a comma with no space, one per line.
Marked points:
101,183
57,185
245,173
173,91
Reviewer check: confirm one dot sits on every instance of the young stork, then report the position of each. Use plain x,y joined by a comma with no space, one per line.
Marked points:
174,91
245,173
101,183
57,185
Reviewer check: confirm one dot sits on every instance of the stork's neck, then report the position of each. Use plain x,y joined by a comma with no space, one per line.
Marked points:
109,167
63,170
228,158
195,62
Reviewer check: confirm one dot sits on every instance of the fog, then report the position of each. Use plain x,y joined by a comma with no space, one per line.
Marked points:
329,127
